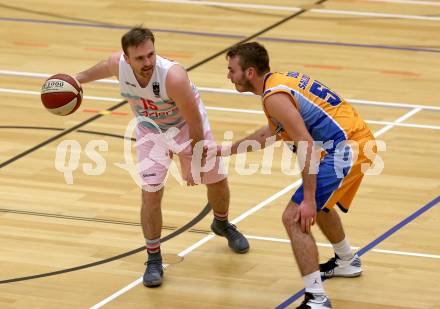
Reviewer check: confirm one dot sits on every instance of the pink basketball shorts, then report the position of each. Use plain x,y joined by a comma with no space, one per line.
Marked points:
155,152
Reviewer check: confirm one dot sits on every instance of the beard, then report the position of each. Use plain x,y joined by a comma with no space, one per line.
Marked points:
145,72
244,85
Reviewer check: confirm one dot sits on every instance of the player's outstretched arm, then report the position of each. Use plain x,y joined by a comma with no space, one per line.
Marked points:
104,69
263,136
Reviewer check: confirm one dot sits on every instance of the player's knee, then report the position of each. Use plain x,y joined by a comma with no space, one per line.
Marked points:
221,185
151,199
289,215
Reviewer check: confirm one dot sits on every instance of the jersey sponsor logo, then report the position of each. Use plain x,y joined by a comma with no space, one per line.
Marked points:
156,89
130,84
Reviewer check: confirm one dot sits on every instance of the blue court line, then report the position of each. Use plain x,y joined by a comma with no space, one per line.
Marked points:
220,35
372,244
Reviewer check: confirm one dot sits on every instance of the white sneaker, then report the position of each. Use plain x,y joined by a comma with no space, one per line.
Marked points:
315,301
336,267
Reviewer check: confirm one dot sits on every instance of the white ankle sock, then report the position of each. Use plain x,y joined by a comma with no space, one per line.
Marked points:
343,250
313,283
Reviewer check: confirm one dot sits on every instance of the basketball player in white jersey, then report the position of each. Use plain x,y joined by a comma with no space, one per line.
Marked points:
162,98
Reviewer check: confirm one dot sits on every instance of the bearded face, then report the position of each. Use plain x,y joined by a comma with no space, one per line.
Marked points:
142,59
238,76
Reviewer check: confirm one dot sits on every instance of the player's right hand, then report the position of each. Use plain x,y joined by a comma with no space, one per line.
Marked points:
306,215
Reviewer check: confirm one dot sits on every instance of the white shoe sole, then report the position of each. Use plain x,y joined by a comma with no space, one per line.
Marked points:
346,272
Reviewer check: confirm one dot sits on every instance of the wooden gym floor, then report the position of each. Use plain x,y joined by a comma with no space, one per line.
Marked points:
382,55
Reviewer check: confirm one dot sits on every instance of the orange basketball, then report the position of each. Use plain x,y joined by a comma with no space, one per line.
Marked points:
61,94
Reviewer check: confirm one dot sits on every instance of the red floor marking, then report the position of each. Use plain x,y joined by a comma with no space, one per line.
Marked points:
403,73
120,113
89,110
104,112
33,44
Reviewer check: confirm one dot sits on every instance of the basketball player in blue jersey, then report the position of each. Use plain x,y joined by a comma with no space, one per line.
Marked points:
160,91
303,111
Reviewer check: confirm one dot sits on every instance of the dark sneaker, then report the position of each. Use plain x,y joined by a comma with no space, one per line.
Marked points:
236,241
336,267
315,301
154,272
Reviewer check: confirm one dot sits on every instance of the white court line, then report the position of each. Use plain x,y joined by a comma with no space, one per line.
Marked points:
45,75
389,123
408,125
267,201
231,5
352,101
326,245
393,104
374,14
295,9
236,110
226,91
408,2
400,119
236,220
37,93
117,294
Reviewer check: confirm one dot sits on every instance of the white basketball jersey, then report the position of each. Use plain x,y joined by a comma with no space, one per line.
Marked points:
152,101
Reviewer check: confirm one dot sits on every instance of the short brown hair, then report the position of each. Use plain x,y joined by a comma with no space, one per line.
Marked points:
251,54
135,37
